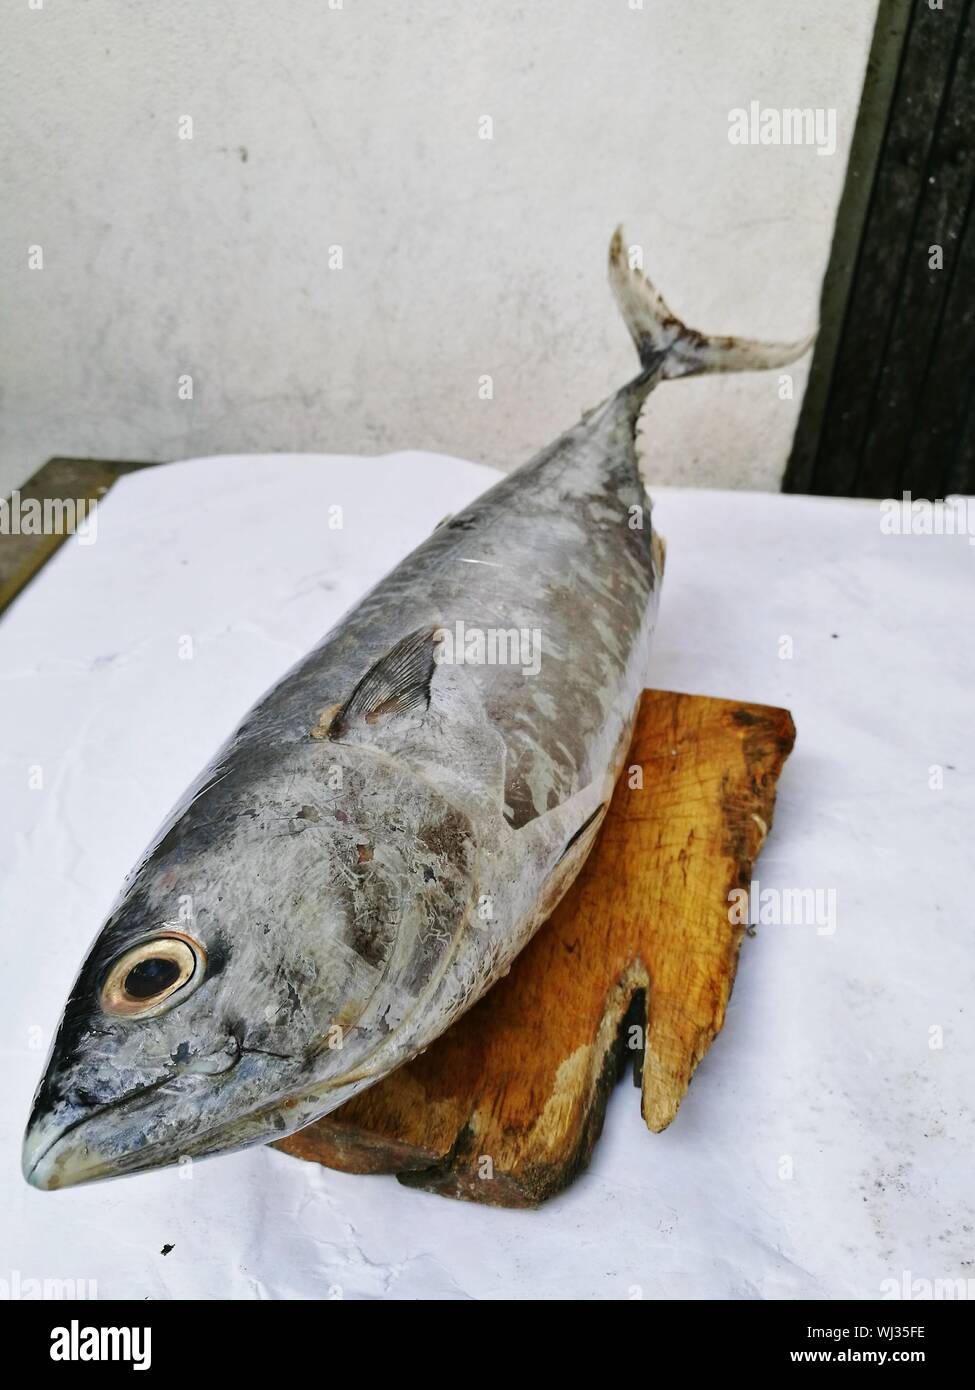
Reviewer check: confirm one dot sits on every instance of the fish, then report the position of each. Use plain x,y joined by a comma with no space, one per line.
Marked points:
390,824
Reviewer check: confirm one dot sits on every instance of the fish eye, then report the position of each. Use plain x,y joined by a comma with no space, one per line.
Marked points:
153,975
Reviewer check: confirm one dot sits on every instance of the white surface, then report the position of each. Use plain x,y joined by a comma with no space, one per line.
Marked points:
825,1057
315,126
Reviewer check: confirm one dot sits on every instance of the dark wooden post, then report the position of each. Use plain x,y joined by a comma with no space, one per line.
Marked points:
890,401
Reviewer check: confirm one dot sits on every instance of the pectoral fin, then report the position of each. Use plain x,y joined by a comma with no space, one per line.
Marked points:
398,683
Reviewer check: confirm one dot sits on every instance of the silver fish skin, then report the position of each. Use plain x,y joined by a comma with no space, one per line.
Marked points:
391,823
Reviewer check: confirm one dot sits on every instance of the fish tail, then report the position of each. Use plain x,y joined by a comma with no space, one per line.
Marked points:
671,349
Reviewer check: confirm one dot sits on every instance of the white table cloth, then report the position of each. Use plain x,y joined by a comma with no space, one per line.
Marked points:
825,1148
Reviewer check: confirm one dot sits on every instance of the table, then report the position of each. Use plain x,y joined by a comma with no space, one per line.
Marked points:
825,1146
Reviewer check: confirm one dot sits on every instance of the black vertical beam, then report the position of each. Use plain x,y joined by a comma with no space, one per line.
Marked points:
886,407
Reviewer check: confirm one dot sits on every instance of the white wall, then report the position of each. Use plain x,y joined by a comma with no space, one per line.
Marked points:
358,126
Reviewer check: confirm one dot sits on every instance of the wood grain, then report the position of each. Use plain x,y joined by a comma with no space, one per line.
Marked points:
636,963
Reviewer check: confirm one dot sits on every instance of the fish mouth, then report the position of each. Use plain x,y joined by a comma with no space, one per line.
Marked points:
57,1154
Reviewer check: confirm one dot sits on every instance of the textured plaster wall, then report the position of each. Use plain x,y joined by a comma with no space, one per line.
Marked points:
315,127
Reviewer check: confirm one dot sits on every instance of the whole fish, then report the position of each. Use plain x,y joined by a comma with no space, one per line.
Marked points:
392,821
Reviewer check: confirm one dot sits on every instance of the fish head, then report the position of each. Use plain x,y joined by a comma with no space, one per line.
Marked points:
282,928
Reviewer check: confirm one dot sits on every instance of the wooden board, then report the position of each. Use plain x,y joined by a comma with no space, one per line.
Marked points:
506,1106
23,554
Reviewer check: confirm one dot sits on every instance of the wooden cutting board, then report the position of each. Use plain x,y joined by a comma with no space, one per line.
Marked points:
636,964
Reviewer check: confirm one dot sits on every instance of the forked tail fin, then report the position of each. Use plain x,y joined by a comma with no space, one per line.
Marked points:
660,336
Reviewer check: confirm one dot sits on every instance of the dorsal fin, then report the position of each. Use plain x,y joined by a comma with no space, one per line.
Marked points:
397,683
